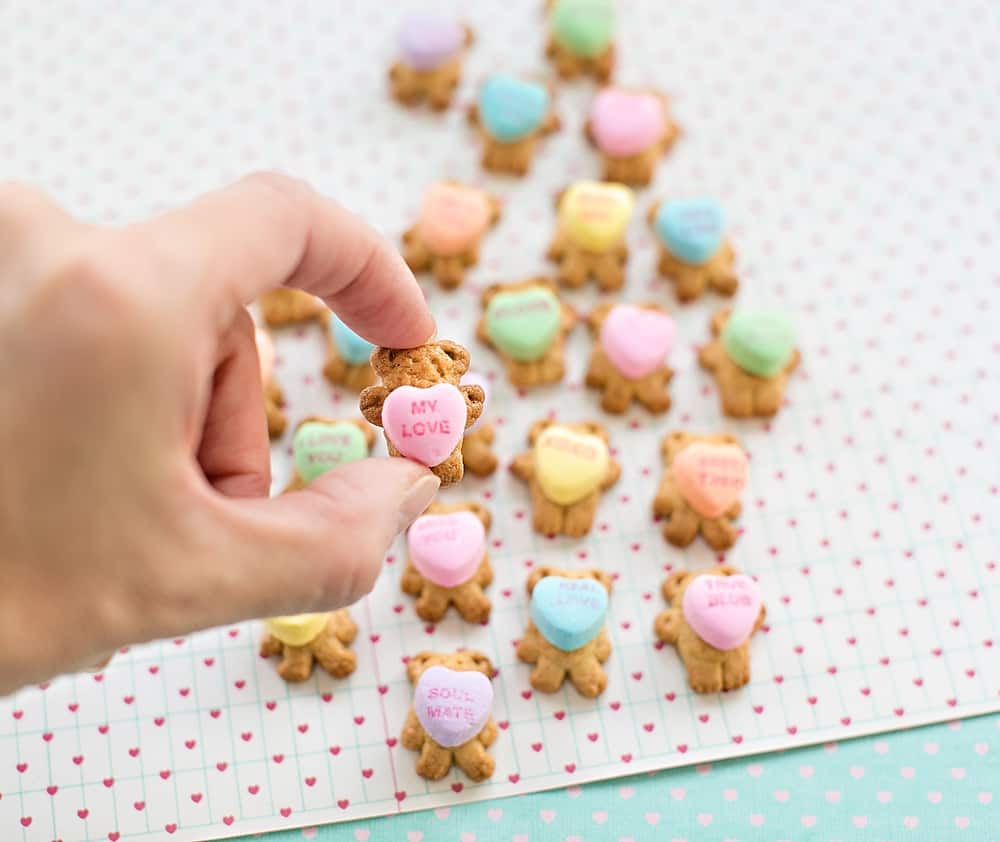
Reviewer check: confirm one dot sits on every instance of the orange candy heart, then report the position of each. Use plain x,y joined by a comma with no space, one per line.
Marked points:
710,477
453,218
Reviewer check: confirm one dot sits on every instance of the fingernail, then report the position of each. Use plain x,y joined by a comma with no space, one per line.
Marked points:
418,498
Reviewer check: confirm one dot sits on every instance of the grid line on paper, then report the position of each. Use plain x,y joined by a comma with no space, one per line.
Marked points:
385,717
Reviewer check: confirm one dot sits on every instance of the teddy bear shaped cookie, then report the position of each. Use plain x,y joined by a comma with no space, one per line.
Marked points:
511,115
477,445
695,253
431,49
581,38
565,636
445,239
527,324
567,469
322,444
274,400
301,640
632,129
421,406
703,478
347,356
752,353
285,306
450,721
590,235
448,562
629,359
711,618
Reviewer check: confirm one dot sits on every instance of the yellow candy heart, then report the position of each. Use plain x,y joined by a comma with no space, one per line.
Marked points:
297,629
594,214
569,465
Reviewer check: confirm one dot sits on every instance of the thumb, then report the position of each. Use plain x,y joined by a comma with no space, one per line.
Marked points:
322,547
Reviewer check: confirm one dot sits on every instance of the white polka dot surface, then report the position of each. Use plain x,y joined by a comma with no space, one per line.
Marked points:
851,146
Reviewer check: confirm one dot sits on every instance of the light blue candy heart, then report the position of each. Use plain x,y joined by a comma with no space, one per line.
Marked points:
691,229
352,348
568,612
512,108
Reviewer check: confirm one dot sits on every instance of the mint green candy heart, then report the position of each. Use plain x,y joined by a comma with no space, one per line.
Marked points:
523,324
759,341
584,27
319,446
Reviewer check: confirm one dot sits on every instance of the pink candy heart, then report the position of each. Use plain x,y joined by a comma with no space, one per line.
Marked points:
710,477
626,123
425,424
452,706
447,549
722,610
637,340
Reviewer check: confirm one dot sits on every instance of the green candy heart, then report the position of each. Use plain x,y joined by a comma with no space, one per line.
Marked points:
319,446
523,324
759,341
584,27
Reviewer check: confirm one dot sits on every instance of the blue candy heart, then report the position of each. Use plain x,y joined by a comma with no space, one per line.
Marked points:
568,612
351,347
691,229
511,108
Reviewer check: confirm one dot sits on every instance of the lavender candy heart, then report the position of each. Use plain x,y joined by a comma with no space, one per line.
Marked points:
427,40
452,706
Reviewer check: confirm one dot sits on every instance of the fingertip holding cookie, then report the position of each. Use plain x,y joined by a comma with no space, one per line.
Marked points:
477,445
527,323
589,241
274,399
450,721
448,562
711,618
581,38
445,239
347,356
565,636
629,359
511,114
429,68
301,640
284,306
421,405
752,354
632,130
321,444
695,253
703,479
567,469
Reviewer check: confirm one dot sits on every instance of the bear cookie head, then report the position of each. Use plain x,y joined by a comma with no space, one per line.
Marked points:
426,365
676,441
468,659
540,573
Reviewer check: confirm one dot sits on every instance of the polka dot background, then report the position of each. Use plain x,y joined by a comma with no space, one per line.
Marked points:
853,147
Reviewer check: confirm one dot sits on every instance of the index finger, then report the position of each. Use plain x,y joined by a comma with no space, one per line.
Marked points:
268,230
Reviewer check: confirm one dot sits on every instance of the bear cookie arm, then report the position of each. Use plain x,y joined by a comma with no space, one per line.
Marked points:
329,649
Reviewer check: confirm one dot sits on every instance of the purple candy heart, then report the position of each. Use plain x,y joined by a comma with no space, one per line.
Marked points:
452,706
427,40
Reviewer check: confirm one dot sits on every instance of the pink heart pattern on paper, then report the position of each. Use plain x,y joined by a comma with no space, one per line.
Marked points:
425,424
722,610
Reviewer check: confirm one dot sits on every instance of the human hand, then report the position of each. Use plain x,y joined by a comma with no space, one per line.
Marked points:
135,448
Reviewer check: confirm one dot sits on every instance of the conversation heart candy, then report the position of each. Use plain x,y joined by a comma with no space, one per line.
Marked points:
297,629
625,123
584,27
568,612
471,378
447,549
352,348
265,354
722,610
710,477
594,214
511,108
319,446
425,424
636,340
569,465
453,706
691,229
428,40
453,218
523,323
760,342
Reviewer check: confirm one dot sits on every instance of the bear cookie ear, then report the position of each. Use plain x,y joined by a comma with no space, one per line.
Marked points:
483,664
418,663
603,578
457,353
537,575
675,584
480,512
381,360
537,429
675,442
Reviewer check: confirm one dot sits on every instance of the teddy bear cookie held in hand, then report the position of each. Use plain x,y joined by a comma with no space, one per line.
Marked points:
421,406
450,722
